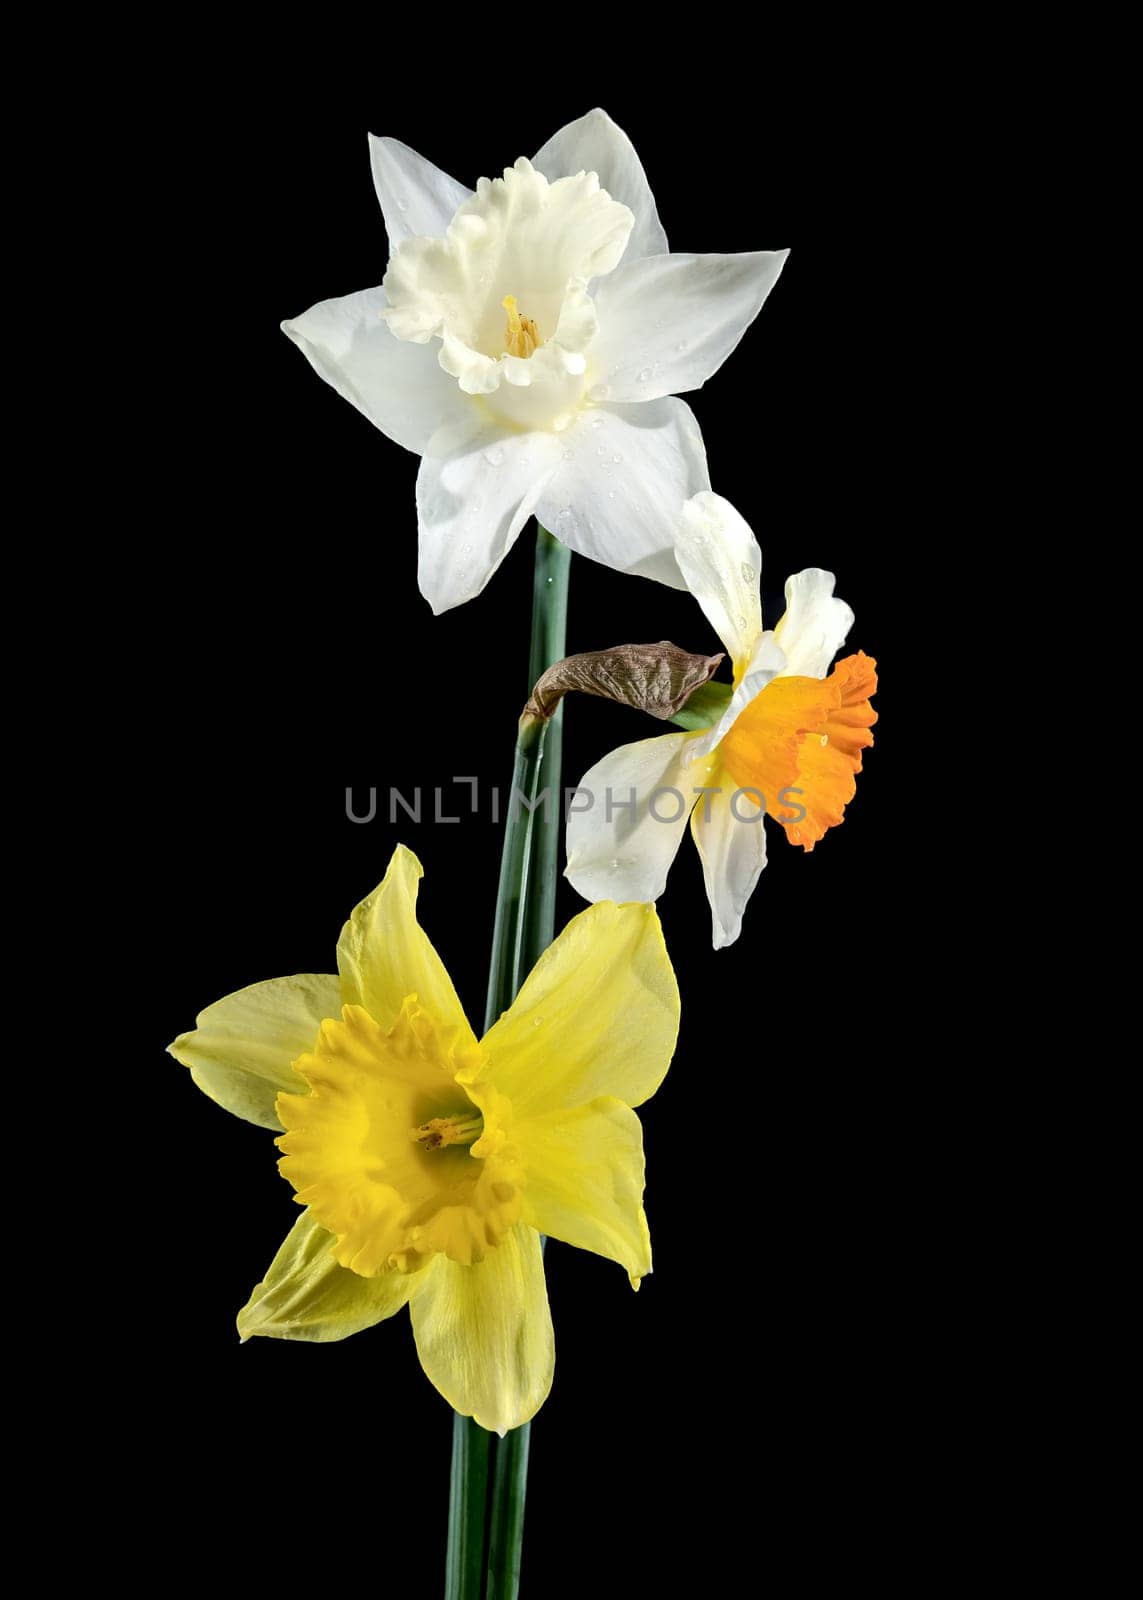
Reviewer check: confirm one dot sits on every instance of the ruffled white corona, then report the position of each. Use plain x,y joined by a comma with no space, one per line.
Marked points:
526,342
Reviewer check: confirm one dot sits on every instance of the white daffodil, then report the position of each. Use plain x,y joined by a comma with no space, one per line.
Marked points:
525,343
788,743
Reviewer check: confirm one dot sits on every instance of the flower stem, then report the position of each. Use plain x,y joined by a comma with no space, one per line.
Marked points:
526,898
509,1487
523,930
467,1510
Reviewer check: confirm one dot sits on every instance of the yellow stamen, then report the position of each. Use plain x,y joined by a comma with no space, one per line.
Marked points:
520,337
441,1131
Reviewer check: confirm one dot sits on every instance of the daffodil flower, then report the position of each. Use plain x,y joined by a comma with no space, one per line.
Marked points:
428,1163
525,343
788,743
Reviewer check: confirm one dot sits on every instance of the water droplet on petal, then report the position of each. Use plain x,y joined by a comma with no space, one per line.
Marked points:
537,1022
599,392
494,457
568,455
644,375
402,205
614,866
615,460
597,422
611,494
682,344
747,572
742,623
825,740
466,549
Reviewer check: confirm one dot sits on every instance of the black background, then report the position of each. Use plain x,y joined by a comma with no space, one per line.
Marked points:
770,1374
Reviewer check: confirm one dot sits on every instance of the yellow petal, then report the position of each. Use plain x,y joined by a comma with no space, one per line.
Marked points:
306,1295
240,1050
384,955
484,1333
599,1015
584,1181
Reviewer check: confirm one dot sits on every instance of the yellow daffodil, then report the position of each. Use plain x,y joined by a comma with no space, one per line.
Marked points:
428,1163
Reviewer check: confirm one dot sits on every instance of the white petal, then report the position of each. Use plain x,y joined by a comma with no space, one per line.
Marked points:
622,477
667,323
815,624
595,144
415,196
400,387
767,661
719,557
472,502
622,847
733,851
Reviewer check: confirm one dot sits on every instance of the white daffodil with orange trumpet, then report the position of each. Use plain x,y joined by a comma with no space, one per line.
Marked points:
787,745
429,1163
526,342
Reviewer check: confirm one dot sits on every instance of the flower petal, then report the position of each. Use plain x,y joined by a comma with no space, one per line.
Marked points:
415,196
384,955
667,323
719,557
240,1049
584,1181
597,1015
766,662
815,624
306,1295
484,1333
622,477
400,387
618,848
731,840
472,503
595,144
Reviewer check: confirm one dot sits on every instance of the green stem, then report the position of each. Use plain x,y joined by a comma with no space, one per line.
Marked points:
467,1506
509,1488
523,930
526,898
549,645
